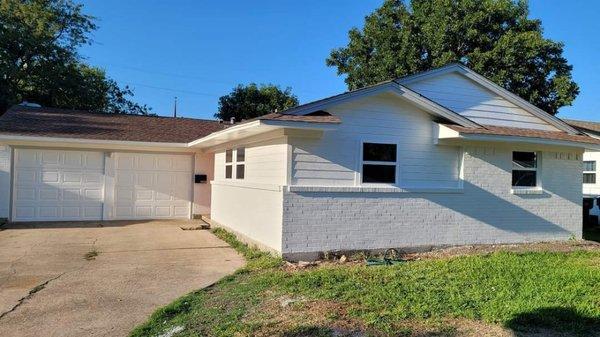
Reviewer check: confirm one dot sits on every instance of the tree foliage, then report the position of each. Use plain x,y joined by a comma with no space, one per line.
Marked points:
249,101
39,61
493,37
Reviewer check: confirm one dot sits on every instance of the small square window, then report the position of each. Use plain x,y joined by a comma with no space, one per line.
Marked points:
228,171
228,156
589,178
239,171
240,154
589,165
379,163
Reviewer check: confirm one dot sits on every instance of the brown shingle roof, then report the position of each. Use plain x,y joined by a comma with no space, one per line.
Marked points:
584,125
50,122
321,117
519,132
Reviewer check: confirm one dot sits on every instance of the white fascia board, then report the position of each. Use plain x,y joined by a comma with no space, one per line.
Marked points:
339,99
404,92
456,136
493,87
90,143
254,128
434,108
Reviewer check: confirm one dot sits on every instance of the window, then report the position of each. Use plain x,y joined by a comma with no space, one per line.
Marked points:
239,163
228,164
589,172
240,158
589,166
379,163
524,169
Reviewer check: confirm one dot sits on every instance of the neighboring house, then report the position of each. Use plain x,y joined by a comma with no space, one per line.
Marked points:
591,159
445,157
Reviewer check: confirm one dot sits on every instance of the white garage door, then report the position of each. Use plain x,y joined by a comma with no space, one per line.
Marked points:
58,185
152,186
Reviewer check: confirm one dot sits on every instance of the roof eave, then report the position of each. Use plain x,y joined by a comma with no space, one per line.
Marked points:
446,135
254,128
20,140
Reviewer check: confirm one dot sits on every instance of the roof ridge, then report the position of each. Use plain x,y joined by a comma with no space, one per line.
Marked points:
16,108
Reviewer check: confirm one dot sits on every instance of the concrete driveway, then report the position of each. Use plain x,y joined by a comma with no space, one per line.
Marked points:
49,288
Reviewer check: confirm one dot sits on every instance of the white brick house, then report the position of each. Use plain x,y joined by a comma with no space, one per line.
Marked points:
444,157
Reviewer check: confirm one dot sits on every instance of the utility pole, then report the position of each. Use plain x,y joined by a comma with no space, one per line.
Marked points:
175,108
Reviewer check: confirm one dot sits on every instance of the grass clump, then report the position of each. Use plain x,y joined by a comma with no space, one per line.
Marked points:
506,291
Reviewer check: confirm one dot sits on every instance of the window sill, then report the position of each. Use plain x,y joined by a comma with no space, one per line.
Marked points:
527,191
361,189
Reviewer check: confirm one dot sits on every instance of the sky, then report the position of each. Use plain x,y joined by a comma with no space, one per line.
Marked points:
198,51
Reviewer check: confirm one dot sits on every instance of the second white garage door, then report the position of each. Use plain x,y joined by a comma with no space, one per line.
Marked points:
152,186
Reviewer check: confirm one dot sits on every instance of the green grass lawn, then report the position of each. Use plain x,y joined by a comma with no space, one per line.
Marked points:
556,292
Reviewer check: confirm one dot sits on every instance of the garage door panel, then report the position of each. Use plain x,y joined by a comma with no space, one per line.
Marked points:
50,157
25,177
52,185
50,177
158,189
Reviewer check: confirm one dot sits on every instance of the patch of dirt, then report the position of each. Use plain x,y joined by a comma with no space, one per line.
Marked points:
557,246
298,317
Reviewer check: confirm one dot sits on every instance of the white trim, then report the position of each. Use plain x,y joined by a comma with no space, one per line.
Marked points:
244,184
404,92
481,80
372,189
10,139
361,162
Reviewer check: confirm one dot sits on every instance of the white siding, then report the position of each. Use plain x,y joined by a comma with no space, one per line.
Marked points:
5,178
471,100
592,189
265,162
335,159
252,207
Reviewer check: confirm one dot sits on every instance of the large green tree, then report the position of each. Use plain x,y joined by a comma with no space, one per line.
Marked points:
493,37
39,59
249,101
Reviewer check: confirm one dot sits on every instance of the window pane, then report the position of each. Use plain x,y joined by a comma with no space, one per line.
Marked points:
379,174
239,171
241,154
589,165
379,152
524,160
524,178
228,170
228,156
589,178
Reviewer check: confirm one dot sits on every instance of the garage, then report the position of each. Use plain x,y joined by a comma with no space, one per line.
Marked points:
152,186
74,185
58,185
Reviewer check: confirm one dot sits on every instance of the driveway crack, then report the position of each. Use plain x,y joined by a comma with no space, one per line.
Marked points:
29,295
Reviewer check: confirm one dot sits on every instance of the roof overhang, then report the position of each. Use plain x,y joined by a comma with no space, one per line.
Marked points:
447,136
81,143
254,128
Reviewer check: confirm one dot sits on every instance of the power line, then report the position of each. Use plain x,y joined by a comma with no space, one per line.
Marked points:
172,90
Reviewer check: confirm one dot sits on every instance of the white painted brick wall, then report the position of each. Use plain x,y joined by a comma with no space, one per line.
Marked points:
485,212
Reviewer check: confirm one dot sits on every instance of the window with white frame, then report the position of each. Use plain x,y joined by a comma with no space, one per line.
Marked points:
379,163
240,159
235,161
524,169
589,172
228,164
